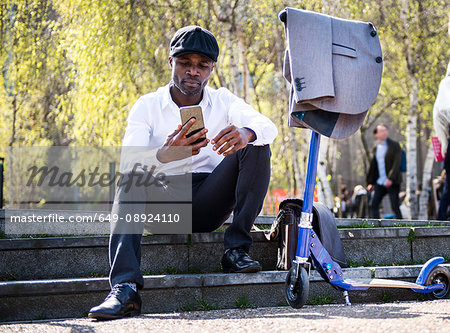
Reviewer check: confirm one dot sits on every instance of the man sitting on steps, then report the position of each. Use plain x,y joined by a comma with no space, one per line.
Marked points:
230,170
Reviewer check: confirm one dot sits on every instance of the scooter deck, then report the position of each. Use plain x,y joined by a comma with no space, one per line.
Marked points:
382,283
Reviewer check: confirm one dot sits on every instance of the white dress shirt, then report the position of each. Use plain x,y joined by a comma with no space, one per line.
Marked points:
441,111
155,115
380,155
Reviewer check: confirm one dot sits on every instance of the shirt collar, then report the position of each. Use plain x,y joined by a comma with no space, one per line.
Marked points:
166,99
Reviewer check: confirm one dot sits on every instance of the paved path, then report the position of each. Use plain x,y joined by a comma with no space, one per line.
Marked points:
361,318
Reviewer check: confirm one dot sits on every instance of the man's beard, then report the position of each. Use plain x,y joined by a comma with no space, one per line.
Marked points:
188,92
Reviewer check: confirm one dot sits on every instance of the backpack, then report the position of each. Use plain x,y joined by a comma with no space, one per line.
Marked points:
285,230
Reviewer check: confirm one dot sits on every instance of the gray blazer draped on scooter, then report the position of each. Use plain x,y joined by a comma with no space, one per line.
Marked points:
334,67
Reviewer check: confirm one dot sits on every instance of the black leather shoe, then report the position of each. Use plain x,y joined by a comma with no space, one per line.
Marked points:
238,261
121,302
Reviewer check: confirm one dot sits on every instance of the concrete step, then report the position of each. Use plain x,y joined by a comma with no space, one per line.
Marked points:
369,222
94,222
61,298
65,257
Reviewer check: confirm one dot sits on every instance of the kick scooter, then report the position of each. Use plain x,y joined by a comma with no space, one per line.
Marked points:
434,280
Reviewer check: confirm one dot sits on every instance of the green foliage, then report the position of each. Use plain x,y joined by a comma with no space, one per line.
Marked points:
189,242
369,262
187,308
72,69
409,262
352,263
386,297
363,225
322,300
203,305
194,271
242,303
411,235
170,271
263,226
401,225
218,269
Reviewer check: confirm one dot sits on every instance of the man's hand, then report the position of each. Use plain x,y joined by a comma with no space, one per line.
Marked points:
388,183
231,139
369,187
169,151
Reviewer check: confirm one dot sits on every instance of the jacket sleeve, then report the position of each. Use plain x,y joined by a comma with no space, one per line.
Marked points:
394,173
372,174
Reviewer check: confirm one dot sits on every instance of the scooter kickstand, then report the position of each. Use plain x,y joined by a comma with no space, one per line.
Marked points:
347,299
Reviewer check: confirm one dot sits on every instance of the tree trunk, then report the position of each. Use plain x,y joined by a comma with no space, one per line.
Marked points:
322,173
296,164
245,78
411,129
234,63
366,157
426,178
14,120
411,142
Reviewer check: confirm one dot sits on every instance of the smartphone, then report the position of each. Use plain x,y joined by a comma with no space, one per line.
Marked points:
189,112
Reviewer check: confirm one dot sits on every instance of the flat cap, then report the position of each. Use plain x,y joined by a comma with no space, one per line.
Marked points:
194,39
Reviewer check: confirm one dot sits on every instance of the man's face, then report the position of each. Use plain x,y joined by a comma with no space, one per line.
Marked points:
190,73
382,133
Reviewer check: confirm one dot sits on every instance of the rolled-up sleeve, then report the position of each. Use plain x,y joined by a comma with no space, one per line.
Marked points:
441,113
242,114
136,141
138,129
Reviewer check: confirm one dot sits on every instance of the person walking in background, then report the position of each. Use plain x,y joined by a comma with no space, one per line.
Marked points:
384,176
441,122
359,202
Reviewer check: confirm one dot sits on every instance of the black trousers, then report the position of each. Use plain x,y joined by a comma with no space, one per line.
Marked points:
379,192
445,198
237,185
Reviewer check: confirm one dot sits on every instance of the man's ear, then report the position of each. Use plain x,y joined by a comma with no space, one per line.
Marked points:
170,61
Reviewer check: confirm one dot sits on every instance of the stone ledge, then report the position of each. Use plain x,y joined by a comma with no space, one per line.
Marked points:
72,257
29,300
348,222
85,285
101,228
212,237
397,232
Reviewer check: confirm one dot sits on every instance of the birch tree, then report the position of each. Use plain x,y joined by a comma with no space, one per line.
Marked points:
411,130
322,173
426,181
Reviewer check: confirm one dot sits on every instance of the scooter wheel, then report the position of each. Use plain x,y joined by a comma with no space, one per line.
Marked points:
297,289
439,274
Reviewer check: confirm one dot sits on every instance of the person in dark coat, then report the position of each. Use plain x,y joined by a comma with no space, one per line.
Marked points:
384,176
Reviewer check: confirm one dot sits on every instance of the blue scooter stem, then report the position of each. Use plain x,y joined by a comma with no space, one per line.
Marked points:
304,224
311,172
